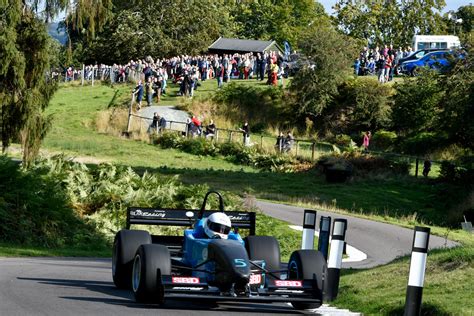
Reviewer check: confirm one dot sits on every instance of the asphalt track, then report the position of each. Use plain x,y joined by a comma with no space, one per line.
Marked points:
83,286
80,286
381,242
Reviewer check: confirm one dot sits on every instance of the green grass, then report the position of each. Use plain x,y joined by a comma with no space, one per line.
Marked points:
12,250
75,109
448,287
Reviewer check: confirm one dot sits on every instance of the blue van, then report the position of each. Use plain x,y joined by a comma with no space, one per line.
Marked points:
438,60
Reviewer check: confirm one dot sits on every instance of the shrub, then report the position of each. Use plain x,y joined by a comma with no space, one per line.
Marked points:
168,140
423,143
383,140
343,140
198,146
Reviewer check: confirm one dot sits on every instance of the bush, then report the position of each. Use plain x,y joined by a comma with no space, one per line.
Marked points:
423,143
35,210
383,140
198,146
343,140
168,140
363,164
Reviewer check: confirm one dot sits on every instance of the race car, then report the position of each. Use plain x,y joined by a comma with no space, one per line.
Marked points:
211,261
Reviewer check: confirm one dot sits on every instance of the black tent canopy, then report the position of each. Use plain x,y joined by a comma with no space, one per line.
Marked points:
235,45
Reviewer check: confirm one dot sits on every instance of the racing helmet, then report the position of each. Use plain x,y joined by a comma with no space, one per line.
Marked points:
217,225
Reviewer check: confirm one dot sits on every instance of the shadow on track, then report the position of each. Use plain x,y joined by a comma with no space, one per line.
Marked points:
125,298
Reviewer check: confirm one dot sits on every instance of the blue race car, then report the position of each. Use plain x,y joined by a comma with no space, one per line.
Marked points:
438,60
212,262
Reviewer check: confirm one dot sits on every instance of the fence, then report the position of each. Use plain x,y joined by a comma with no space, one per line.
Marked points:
90,74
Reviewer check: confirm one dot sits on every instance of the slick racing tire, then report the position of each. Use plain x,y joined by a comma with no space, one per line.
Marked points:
264,248
126,243
308,265
151,262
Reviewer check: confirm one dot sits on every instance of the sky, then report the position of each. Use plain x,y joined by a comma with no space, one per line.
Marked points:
450,4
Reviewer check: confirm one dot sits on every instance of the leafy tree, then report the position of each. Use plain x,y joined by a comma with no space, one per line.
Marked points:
361,104
417,104
24,90
325,65
457,113
158,28
389,21
280,20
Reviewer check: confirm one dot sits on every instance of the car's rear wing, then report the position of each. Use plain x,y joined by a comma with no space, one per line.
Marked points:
183,217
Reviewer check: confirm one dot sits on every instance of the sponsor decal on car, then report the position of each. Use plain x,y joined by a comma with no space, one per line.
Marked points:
185,280
288,283
149,213
255,279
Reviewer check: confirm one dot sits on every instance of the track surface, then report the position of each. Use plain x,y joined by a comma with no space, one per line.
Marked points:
75,286
381,242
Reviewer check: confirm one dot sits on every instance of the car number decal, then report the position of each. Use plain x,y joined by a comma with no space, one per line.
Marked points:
240,263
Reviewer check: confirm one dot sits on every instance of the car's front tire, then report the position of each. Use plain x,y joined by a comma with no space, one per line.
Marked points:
126,243
150,263
308,265
264,248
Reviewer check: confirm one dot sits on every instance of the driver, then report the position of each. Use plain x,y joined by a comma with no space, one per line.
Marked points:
217,225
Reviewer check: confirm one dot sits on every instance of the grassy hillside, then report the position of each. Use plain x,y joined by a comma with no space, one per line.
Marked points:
376,291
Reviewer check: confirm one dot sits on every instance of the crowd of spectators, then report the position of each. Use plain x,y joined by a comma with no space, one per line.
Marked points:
382,62
187,71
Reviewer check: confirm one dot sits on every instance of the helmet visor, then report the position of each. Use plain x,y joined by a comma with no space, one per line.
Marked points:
218,228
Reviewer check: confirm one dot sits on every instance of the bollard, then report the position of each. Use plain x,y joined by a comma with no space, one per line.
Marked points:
417,271
309,226
335,259
324,232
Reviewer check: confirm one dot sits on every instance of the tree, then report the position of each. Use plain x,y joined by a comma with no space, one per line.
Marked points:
24,89
361,104
279,20
457,110
24,60
158,28
326,63
417,104
389,21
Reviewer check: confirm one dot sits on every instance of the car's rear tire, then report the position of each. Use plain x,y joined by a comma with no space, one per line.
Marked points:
126,243
264,248
150,263
307,265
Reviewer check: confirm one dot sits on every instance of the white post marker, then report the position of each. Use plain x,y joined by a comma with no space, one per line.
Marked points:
335,259
309,227
417,271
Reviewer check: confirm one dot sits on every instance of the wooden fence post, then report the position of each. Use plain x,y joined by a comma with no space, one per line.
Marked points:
82,79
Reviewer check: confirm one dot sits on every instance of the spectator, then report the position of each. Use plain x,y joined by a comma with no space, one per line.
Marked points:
280,142
245,133
210,130
157,84
357,66
366,141
154,123
289,141
149,91
161,124
220,75
426,167
138,91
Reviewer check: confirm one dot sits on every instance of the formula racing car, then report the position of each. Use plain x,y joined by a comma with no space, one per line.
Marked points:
211,261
